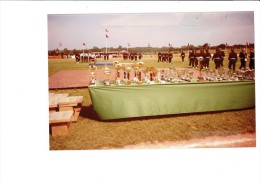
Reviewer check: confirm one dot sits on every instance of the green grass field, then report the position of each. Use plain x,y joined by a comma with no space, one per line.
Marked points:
89,133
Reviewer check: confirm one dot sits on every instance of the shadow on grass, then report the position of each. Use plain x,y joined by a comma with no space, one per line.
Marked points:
88,112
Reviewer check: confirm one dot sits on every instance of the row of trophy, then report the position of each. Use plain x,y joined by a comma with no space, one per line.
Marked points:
172,75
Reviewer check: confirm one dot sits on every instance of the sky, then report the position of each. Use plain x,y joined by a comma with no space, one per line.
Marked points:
156,29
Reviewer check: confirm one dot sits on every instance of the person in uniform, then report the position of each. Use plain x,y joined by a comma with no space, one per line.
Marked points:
207,58
242,56
170,57
182,56
159,57
163,57
232,58
216,58
135,56
252,59
197,55
166,57
140,56
77,56
201,58
192,58
222,55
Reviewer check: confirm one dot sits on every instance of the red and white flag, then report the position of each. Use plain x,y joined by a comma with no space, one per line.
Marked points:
107,36
84,44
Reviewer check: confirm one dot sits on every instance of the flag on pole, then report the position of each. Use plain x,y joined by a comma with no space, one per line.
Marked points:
107,30
107,36
84,44
148,44
128,44
60,44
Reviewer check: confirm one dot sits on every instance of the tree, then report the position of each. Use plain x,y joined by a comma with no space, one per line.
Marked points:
66,51
95,49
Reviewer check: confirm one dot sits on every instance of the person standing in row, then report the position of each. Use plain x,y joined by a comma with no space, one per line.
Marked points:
242,56
216,58
222,55
197,56
201,59
207,58
252,59
182,56
159,57
192,59
170,57
232,59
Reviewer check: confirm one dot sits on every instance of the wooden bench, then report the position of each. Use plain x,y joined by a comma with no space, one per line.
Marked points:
72,103
54,99
61,102
60,122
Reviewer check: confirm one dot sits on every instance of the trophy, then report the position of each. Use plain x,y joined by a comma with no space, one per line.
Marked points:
152,72
138,72
117,78
92,75
106,72
128,70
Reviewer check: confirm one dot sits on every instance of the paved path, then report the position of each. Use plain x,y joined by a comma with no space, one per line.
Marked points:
80,78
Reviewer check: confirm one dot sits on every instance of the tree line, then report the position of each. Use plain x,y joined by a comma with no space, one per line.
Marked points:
146,50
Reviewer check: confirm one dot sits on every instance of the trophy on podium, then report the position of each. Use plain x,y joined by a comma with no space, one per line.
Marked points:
92,75
106,72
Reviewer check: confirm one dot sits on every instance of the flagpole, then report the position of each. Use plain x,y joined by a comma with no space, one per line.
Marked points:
106,45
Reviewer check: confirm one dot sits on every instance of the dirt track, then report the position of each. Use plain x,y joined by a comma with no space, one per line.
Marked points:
241,140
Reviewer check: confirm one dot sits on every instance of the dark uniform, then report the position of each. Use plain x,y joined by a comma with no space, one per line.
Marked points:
252,59
242,56
166,57
192,59
135,55
77,56
170,57
163,57
182,56
207,58
201,58
222,55
197,55
232,60
217,59
159,57
140,56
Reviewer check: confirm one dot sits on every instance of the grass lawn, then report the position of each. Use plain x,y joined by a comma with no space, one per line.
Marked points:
90,133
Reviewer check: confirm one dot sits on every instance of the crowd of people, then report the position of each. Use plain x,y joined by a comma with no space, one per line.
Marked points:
201,58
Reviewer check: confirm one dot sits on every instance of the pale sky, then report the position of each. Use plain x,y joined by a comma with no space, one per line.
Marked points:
158,29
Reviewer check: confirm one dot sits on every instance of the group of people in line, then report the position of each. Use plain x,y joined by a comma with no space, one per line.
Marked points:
201,58
165,57
132,56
